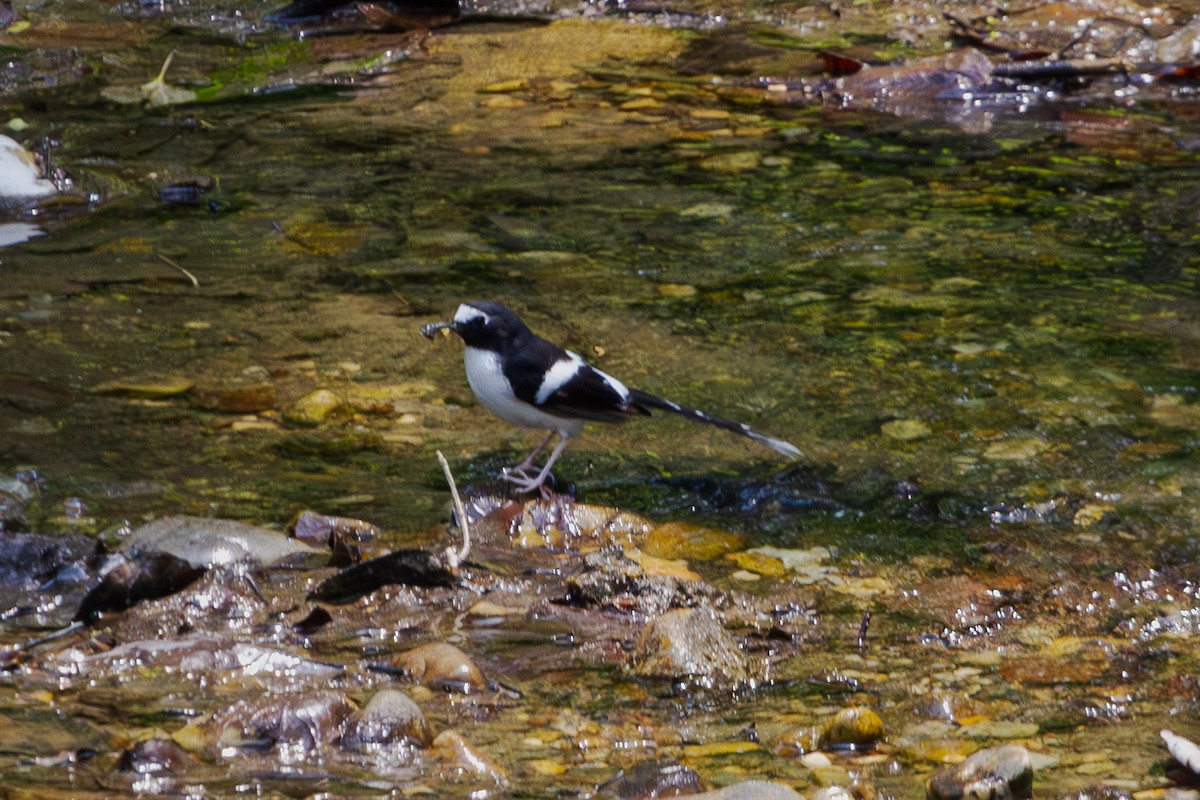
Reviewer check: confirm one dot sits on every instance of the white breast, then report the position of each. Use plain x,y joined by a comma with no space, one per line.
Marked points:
494,391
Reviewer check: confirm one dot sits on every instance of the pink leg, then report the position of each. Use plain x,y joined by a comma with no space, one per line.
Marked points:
529,484
520,469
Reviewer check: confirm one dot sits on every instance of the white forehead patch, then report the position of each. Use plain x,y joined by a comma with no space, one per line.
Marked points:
466,313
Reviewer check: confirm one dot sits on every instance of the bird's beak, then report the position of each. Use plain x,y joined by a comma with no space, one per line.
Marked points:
430,330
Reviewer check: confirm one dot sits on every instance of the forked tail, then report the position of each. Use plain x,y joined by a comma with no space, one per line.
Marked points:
649,401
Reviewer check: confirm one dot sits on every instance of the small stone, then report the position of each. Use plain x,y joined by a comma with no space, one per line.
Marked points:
235,399
501,87
711,749
1020,449
457,753
798,743
655,567
504,101
905,430
998,773
546,766
763,565
170,387
1000,729
708,211
687,541
640,103
1093,513
1092,768
314,408
486,608
729,163
676,290
808,565
852,728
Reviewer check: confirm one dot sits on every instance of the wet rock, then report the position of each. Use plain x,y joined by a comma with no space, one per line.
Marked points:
196,654
343,536
301,722
750,790
684,540
853,729
131,578
390,717
832,793
1098,792
154,757
905,430
236,399
314,408
651,779
799,742
147,389
205,542
406,567
690,641
462,760
440,665
560,523
998,773
610,580
29,559
1019,449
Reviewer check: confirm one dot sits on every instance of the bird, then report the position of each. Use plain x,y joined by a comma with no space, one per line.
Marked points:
530,382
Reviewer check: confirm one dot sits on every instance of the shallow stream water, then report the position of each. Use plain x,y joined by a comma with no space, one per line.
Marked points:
980,322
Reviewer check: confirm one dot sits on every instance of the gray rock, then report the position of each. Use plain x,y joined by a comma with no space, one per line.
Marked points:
690,641
204,542
389,717
998,773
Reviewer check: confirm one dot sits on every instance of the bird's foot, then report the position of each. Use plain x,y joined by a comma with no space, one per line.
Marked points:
524,483
516,474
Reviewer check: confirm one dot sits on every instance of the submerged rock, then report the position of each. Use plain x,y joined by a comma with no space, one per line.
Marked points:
204,542
390,717
201,653
462,760
998,773
439,665
1099,792
651,779
303,722
559,523
155,756
852,728
690,641
751,790
130,578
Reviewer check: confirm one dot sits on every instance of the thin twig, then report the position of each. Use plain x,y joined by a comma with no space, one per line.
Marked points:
456,558
175,264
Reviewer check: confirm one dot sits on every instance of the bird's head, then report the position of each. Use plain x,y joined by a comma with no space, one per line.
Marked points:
485,324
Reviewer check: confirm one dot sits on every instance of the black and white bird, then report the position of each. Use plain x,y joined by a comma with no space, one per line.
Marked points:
525,380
